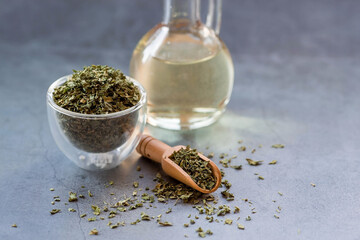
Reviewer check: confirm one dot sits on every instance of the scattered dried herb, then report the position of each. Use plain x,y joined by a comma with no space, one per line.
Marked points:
112,214
240,226
253,163
135,222
165,224
209,218
199,230
71,210
200,209
201,234
228,221
277,146
225,162
272,162
242,149
96,210
166,191
94,232
54,211
72,197
113,226
226,183
229,196
14,225
144,216
222,155
236,209
223,210
237,167
198,169
210,155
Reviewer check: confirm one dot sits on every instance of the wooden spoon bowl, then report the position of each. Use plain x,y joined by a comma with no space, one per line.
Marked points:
158,151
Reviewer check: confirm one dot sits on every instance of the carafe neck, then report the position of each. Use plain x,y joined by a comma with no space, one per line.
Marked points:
187,10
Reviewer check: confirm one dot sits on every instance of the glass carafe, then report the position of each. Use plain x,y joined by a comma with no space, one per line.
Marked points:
184,66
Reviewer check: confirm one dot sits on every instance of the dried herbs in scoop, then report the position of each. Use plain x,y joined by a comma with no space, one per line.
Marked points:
198,169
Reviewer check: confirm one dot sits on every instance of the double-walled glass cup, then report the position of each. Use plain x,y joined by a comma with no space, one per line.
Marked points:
96,141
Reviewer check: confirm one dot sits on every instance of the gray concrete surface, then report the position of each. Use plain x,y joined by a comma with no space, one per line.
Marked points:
297,83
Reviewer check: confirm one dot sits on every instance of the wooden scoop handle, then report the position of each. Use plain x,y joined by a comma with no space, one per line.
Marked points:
152,148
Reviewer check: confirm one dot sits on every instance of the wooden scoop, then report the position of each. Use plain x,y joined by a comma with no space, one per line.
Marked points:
159,152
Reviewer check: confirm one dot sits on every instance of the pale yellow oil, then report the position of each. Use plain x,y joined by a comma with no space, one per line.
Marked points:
188,85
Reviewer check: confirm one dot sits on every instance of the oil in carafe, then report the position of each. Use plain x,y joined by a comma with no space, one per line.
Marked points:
186,69
186,85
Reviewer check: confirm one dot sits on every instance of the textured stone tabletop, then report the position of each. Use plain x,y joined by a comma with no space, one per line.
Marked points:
297,72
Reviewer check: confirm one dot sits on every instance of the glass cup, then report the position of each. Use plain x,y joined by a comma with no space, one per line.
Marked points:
96,141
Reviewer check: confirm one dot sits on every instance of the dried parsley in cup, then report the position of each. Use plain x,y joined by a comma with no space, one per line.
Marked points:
95,95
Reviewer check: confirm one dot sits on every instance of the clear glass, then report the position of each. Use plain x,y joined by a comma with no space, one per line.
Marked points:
186,69
81,136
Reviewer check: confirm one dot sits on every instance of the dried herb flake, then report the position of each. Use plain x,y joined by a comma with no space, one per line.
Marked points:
272,162
253,163
94,232
228,221
277,146
72,197
240,226
54,211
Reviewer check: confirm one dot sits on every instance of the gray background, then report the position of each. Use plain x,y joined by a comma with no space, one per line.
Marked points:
296,83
